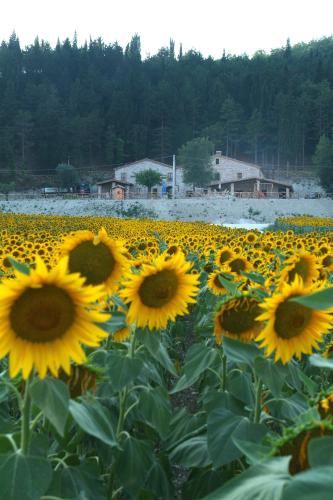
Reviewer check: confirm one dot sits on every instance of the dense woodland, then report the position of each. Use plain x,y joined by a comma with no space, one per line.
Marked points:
99,104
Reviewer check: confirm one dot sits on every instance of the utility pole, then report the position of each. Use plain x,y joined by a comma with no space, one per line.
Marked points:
173,177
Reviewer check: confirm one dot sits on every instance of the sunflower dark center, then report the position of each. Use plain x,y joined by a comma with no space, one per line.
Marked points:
327,261
42,314
217,282
95,262
301,268
241,318
225,256
158,289
237,265
291,319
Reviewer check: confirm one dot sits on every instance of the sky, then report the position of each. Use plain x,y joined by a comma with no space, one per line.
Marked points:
209,26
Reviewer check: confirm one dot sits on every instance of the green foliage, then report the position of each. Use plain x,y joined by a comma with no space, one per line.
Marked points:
67,175
133,211
52,103
195,159
6,188
169,401
148,178
323,160
24,477
52,397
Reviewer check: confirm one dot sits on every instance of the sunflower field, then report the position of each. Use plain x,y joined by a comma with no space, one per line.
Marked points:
142,359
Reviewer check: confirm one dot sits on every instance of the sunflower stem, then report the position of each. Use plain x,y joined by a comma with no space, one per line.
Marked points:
25,420
257,408
123,396
131,351
224,372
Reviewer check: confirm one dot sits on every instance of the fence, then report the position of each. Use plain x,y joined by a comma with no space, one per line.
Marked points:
106,196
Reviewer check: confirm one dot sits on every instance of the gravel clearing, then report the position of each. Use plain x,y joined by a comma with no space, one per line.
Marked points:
215,210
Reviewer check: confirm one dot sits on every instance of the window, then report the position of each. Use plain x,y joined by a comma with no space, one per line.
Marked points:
123,176
239,175
169,176
217,176
217,161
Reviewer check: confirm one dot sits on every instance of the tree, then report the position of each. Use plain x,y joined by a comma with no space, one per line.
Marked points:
323,160
195,158
231,119
6,188
148,178
67,175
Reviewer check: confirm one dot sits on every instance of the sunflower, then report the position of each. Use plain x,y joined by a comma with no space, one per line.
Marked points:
295,442
215,284
292,329
160,292
304,265
122,334
236,318
224,255
325,406
327,262
99,259
251,237
80,380
44,319
238,265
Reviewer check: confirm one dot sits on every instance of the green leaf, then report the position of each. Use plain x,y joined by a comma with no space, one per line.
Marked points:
192,453
183,425
51,396
155,409
7,426
272,374
215,400
288,409
320,362
23,477
312,484
255,277
122,369
158,480
69,482
253,451
94,419
116,322
118,302
133,463
201,482
222,424
319,300
264,481
22,268
157,350
198,359
320,451
229,285
240,386
240,352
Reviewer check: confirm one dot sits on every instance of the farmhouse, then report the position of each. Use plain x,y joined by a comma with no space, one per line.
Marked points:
241,178
125,175
232,176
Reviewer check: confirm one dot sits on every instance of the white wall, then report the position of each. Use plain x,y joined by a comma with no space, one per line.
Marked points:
131,169
228,168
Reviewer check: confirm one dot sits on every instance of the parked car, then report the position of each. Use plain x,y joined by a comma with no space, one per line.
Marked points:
49,190
83,188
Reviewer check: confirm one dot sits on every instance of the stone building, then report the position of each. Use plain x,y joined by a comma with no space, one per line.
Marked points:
127,173
241,178
236,177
